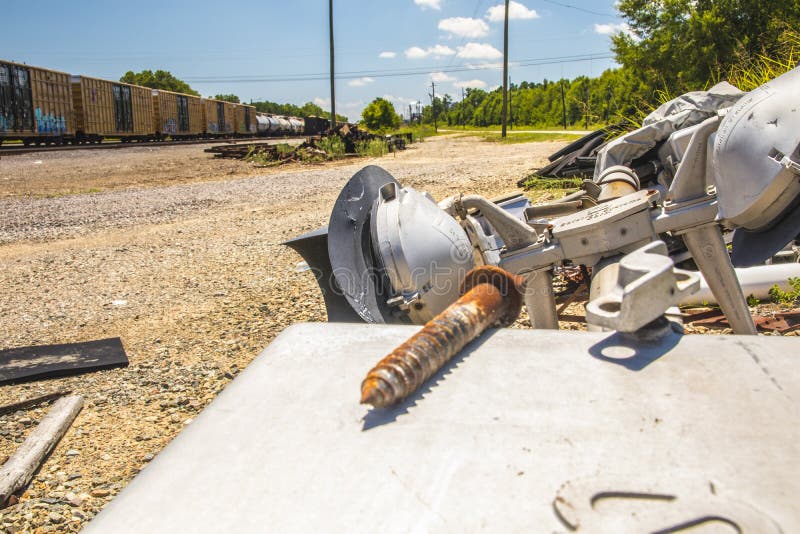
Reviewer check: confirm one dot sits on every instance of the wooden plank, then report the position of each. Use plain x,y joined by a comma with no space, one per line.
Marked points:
47,361
19,469
29,403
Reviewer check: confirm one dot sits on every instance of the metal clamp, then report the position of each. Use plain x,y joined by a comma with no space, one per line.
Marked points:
647,285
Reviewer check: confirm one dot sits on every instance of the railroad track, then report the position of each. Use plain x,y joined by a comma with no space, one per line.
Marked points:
13,150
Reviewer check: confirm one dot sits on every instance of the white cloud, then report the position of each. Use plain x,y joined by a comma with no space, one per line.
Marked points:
478,51
416,52
494,65
352,110
436,51
516,11
429,4
475,84
400,103
611,29
387,55
464,27
360,82
441,77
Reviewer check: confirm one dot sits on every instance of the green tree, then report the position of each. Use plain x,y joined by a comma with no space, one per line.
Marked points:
228,98
682,45
380,115
159,79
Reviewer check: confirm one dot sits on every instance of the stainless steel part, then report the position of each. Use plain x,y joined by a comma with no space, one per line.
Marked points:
527,416
424,251
711,256
539,299
617,181
647,285
513,231
756,154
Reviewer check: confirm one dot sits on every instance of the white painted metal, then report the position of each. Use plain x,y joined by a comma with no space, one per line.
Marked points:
755,281
521,418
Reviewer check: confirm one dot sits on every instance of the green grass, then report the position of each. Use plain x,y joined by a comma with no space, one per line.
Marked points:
519,127
512,137
333,146
418,132
791,296
374,148
533,183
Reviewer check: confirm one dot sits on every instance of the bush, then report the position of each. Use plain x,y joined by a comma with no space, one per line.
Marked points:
374,148
333,146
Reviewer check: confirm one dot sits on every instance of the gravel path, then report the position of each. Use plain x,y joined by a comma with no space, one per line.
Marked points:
194,280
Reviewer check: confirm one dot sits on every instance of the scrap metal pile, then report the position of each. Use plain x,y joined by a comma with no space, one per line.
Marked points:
706,170
351,135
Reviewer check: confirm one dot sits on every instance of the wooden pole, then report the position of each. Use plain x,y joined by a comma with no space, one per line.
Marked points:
19,469
505,72
563,104
333,85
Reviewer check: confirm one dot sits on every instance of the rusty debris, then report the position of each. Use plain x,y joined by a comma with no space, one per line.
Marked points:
782,322
489,295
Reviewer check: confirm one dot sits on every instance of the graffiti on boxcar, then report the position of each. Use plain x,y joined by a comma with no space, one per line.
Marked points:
170,127
228,127
3,123
212,127
49,123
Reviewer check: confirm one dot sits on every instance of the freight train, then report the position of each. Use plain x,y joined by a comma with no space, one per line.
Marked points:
43,106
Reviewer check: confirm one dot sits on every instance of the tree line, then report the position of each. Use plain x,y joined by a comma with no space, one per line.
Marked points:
667,47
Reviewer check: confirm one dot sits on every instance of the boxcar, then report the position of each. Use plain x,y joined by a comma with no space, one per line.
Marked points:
220,117
111,109
315,125
177,115
35,104
246,120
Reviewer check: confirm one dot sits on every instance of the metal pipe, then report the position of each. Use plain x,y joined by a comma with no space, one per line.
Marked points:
604,280
711,256
489,295
755,281
539,299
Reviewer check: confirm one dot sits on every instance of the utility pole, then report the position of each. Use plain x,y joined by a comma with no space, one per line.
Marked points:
333,85
410,115
510,107
505,71
563,104
433,105
463,119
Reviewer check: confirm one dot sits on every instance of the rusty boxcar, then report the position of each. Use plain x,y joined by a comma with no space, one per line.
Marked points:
35,104
111,109
220,117
178,115
246,120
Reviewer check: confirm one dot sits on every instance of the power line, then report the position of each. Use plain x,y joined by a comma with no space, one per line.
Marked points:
388,73
570,6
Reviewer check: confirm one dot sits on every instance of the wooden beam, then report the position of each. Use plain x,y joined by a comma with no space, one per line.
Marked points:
19,469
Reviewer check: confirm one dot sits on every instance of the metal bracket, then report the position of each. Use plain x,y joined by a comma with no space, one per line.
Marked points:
647,285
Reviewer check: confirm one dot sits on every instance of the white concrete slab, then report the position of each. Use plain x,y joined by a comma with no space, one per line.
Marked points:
709,423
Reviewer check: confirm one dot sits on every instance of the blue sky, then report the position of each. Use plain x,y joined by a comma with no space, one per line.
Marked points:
278,49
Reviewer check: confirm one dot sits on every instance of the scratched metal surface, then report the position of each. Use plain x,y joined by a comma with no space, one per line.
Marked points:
706,426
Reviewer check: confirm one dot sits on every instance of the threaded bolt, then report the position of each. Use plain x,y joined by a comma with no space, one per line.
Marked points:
489,295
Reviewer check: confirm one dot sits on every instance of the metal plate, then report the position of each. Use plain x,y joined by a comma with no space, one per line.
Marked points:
48,361
349,246
521,419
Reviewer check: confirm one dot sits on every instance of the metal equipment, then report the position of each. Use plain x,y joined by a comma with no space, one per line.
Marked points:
726,160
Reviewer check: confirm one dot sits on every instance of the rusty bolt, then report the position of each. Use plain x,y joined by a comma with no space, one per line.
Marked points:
489,295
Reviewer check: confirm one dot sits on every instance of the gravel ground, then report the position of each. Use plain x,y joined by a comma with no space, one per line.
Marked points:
192,277
180,255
